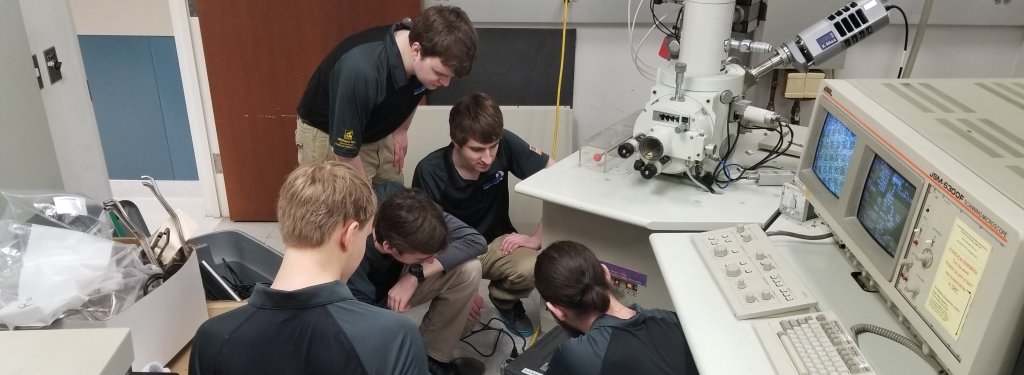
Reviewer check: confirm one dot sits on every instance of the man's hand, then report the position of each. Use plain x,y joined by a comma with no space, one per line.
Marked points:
401,146
515,240
475,306
399,295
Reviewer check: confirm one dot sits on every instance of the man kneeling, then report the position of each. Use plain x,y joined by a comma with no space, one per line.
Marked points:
612,338
419,254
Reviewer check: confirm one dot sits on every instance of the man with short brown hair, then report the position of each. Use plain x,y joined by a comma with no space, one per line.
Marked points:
469,179
416,255
360,101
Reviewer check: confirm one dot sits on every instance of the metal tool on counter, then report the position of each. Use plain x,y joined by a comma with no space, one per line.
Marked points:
186,249
115,207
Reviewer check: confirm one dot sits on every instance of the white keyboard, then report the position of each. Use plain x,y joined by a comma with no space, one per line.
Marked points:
755,280
810,344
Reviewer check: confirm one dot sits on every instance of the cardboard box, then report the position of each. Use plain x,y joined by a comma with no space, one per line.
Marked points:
162,322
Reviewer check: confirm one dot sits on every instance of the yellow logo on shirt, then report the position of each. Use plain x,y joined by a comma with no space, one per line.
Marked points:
345,140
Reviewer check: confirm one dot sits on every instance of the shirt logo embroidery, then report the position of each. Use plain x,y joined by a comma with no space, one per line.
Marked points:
346,139
495,180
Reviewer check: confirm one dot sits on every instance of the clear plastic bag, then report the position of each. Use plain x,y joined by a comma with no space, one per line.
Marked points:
61,210
47,273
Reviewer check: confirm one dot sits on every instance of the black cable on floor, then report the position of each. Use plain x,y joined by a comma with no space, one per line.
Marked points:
494,348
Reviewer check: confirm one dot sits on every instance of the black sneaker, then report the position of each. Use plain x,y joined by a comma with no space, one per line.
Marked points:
516,320
458,366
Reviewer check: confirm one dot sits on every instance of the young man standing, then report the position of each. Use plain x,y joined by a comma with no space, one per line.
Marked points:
469,179
307,321
360,101
611,338
418,254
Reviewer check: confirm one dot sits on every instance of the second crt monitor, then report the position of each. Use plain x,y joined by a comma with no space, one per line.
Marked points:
922,180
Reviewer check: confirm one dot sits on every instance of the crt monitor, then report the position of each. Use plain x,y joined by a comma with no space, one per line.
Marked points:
885,204
833,153
929,207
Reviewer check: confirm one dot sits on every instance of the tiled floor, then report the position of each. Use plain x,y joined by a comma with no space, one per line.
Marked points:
184,196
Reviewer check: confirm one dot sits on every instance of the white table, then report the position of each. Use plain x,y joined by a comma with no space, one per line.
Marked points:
104,351
614,212
723,345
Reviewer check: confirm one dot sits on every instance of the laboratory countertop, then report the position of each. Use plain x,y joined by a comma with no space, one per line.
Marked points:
721,344
665,203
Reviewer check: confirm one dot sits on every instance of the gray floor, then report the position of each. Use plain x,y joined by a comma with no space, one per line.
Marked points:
183,196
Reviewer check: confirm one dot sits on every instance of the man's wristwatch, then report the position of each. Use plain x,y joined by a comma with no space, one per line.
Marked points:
417,270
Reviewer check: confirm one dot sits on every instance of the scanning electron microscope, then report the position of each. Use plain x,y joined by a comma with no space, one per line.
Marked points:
684,126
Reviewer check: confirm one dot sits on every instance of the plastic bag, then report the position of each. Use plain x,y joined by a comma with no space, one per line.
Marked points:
61,210
48,272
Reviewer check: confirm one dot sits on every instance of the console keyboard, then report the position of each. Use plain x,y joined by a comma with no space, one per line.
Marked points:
810,344
754,279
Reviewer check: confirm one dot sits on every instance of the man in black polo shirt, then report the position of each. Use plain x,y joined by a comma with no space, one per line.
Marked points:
308,322
469,179
611,338
359,102
418,254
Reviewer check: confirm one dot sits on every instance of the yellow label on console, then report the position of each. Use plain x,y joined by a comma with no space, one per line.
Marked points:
957,277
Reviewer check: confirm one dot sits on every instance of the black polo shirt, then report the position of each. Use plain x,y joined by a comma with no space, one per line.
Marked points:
650,343
320,329
482,203
360,92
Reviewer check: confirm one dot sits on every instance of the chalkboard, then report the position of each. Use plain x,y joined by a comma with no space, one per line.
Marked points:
516,66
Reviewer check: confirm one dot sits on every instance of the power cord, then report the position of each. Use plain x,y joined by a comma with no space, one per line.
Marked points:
771,219
494,348
800,235
906,37
899,339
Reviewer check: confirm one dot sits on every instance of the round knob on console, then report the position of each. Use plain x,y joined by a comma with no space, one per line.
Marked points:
747,237
742,284
751,298
766,294
626,150
767,266
732,270
721,251
760,255
638,164
740,228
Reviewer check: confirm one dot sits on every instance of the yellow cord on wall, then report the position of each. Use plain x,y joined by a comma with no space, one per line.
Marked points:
561,67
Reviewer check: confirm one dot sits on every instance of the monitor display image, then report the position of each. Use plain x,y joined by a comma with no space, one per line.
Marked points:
885,204
832,158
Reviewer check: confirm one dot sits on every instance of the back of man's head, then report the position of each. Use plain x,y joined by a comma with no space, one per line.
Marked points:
475,117
410,222
568,274
446,32
316,198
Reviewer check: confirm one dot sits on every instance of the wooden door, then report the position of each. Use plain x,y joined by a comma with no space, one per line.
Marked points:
259,56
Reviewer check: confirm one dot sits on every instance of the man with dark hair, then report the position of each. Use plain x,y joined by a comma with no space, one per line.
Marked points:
307,321
418,254
612,338
469,179
360,101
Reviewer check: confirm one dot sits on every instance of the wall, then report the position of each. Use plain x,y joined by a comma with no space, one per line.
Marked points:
608,86
68,107
28,160
121,17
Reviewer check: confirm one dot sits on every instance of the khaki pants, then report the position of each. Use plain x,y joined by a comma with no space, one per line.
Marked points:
511,275
378,157
450,294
